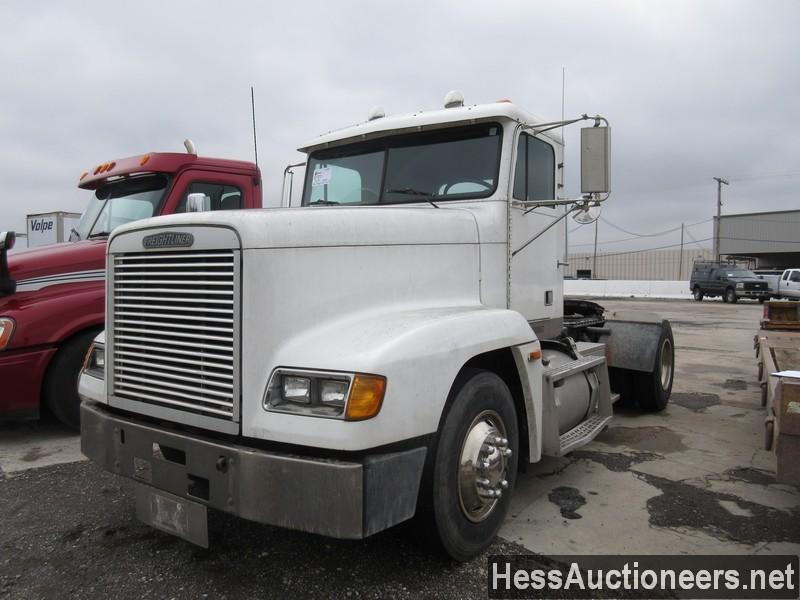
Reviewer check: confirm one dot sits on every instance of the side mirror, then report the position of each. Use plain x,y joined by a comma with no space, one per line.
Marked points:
7,240
7,285
198,202
595,150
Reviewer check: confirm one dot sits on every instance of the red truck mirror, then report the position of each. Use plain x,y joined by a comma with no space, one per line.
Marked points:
7,285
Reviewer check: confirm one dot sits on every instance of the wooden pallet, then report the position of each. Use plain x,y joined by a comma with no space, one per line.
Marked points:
780,351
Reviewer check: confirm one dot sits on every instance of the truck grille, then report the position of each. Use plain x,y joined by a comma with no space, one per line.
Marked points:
174,330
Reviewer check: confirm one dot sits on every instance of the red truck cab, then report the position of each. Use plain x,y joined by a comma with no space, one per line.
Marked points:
52,297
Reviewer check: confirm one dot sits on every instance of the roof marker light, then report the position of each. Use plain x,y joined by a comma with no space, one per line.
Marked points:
503,101
376,112
85,174
97,169
454,99
144,160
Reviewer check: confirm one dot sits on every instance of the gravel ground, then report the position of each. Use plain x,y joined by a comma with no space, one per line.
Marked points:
70,531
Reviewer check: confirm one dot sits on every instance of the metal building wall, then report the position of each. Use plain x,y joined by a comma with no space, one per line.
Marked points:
760,233
652,265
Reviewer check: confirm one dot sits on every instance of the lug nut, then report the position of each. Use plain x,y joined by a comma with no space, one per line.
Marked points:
507,452
504,484
483,482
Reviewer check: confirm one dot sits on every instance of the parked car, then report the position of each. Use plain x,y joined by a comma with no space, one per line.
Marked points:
726,280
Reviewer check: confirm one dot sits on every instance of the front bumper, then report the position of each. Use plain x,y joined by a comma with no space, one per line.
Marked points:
341,499
21,374
752,293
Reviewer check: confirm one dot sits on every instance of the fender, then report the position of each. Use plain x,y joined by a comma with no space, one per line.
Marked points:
627,344
77,306
419,351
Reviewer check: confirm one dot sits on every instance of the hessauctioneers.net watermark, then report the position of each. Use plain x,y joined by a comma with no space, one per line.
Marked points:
653,576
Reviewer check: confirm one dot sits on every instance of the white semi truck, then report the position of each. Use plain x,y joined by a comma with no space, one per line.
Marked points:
398,345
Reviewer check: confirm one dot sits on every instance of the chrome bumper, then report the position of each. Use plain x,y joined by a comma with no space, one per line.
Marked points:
341,499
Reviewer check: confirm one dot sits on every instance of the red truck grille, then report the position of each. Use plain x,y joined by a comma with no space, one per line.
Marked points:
174,331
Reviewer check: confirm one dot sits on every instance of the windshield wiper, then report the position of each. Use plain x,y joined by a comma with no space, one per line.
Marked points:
324,202
412,192
98,234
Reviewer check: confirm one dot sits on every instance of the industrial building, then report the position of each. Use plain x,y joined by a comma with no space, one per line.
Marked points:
769,239
653,265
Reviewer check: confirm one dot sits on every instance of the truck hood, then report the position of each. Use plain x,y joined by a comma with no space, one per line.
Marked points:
56,259
329,226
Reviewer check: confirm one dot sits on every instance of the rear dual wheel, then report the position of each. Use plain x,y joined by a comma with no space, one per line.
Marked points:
472,468
654,388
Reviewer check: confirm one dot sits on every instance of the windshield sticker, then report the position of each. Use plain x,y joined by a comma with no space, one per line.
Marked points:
321,177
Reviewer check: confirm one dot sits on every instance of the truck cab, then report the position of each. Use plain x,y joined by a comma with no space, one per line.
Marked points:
52,299
398,345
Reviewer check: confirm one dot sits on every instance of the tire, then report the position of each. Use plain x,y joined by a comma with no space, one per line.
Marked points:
730,296
655,388
60,388
464,523
769,433
761,300
697,294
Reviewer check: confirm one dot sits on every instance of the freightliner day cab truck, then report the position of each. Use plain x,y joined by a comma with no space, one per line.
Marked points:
397,345
51,297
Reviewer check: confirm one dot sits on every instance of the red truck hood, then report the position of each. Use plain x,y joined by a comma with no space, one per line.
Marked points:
56,259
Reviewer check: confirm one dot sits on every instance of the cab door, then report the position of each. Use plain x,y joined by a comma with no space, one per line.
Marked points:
535,286
227,191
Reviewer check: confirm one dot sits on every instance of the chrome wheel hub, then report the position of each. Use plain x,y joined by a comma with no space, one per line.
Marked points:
482,466
666,363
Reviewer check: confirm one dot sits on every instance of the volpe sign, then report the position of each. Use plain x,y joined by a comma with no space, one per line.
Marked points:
50,228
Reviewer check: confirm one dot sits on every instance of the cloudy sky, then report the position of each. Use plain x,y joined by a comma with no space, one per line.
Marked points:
693,90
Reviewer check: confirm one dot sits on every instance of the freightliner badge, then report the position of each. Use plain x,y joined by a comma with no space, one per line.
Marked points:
168,239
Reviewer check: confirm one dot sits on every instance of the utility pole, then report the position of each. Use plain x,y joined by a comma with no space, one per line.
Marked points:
594,256
720,181
680,260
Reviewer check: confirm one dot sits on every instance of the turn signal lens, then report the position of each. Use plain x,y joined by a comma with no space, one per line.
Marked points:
6,329
366,397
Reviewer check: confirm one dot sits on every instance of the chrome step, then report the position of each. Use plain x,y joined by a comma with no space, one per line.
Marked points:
582,434
582,364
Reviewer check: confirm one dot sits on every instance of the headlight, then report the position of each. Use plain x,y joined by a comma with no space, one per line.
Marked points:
6,329
348,396
739,286
95,362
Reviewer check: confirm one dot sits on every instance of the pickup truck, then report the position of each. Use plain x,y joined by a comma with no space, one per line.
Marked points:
52,297
789,284
726,280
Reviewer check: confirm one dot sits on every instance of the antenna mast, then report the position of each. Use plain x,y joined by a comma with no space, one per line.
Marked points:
253,109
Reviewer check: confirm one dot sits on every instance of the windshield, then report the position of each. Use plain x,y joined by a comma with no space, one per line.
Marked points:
741,273
120,202
446,164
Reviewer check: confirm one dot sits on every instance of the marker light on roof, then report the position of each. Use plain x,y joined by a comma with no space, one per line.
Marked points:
454,99
376,112
144,160
503,101
85,174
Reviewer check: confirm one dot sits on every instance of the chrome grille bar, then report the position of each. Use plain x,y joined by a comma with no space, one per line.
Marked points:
175,331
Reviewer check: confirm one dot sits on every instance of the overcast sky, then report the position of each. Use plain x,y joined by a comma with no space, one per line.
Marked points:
693,90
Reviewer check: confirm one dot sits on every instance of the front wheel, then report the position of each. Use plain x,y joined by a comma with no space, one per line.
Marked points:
697,294
655,387
474,466
730,296
60,388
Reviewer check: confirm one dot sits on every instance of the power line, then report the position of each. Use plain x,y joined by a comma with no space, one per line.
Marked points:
637,236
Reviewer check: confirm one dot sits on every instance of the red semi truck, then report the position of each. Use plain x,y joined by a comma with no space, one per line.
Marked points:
52,297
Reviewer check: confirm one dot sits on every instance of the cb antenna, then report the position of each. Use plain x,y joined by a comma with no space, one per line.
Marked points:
253,110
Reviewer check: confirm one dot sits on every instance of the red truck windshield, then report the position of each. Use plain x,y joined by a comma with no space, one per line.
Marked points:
121,202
